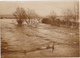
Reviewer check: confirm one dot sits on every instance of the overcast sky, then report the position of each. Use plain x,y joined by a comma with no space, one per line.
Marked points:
43,8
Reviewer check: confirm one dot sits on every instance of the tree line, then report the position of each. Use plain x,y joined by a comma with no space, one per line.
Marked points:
70,17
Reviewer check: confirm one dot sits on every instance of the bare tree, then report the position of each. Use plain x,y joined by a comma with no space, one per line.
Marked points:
72,15
52,17
76,9
31,17
68,16
20,15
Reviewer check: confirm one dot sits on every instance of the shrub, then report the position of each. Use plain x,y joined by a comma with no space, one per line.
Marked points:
46,21
20,15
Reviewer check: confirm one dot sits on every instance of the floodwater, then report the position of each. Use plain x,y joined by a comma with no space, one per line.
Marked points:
27,42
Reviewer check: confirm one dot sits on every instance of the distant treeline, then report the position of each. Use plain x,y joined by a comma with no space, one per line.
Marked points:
59,22
7,17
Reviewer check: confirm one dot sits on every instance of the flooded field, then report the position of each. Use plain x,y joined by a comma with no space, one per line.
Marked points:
28,42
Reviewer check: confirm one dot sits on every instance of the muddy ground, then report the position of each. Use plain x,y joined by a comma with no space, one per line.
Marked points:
28,42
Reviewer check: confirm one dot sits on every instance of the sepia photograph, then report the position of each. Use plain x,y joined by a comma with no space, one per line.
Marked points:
39,29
